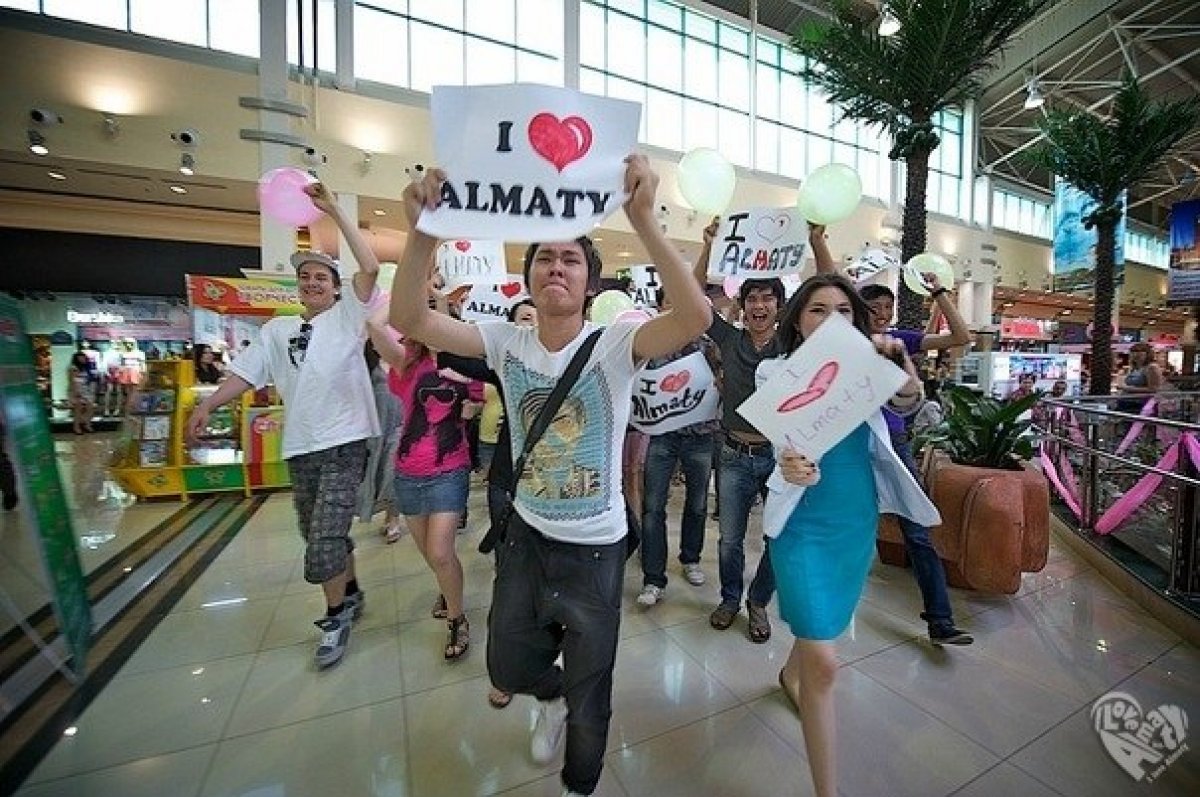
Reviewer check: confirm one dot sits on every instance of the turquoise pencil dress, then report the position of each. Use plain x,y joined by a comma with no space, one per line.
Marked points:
823,554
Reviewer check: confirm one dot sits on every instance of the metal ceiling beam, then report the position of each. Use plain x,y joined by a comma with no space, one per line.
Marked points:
1054,25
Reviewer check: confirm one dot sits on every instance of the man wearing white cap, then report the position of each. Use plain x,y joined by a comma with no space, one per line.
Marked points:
315,361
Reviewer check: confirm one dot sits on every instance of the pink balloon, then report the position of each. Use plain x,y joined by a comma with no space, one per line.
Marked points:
732,286
281,196
632,315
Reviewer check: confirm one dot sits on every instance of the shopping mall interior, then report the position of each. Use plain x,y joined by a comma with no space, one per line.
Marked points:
133,138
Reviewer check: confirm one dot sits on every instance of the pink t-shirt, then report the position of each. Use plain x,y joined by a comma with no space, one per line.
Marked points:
433,437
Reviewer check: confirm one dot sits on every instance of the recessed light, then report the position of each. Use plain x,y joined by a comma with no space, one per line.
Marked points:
178,189
71,731
624,253
379,212
1067,311
597,240
56,175
1009,304
1152,321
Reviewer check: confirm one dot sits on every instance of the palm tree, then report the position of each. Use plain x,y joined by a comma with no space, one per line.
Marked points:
936,61
1104,157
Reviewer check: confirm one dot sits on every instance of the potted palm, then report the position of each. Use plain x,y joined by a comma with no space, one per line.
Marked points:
995,506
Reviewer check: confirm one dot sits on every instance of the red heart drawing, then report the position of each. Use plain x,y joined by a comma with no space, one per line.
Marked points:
510,289
462,246
560,141
772,228
818,386
673,383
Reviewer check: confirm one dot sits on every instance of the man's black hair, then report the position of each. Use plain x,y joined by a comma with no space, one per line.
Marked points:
870,293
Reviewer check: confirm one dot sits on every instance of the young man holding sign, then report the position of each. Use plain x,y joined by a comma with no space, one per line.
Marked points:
746,459
561,562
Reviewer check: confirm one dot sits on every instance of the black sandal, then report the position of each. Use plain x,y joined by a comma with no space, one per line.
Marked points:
498,698
460,638
760,623
439,610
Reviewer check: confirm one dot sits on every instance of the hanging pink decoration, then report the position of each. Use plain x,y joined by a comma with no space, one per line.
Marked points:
1135,430
281,196
1125,506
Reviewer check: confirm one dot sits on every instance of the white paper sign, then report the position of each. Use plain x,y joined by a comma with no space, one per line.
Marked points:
759,243
831,384
492,302
869,263
462,262
526,162
675,395
645,282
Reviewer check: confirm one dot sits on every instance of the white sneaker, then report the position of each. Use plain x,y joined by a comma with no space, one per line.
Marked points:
650,595
693,574
549,730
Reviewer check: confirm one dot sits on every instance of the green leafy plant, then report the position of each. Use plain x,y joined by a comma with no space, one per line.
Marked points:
982,431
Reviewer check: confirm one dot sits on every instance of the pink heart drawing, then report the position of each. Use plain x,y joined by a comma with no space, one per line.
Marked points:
818,386
561,142
510,289
772,228
462,246
673,383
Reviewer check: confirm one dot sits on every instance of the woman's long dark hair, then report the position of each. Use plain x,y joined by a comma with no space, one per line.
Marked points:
788,335
449,432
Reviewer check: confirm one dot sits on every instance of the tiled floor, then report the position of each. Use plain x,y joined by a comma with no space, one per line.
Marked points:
222,698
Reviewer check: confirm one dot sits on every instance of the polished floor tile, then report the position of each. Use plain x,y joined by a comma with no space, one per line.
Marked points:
695,711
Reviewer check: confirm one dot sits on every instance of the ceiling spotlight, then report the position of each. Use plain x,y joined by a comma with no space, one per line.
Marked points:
379,212
37,143
1034,98
178,189
43,116
111,126
187,164
56,175
365,165
889,24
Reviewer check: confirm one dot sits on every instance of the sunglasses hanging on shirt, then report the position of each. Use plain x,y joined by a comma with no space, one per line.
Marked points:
298,346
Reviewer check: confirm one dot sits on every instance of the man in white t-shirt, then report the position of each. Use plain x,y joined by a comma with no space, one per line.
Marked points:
558,580
315,361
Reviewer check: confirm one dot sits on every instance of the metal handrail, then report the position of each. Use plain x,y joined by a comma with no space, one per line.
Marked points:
1074,404
1123,460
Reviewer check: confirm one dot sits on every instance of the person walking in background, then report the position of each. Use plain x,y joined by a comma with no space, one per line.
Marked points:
690,449
821,520
315,361
377,488
80,392
432,468
562,556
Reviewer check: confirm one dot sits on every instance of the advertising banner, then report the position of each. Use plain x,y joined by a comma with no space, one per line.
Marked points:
1183,273
236,296
1075,244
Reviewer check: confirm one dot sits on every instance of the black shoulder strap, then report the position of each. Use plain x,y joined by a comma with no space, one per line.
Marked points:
554,401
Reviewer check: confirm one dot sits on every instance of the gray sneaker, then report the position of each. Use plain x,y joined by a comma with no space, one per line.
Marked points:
693,574
549,730
354,605
334,638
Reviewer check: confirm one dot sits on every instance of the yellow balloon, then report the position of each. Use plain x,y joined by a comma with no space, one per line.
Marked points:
928,263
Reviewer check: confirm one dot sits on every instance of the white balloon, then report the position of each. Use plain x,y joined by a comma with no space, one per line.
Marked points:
830,194
928,263
706,181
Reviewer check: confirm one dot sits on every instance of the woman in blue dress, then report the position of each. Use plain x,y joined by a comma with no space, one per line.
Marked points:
821,519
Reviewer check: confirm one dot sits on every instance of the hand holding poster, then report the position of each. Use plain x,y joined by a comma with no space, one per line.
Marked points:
464,262
759,243
527,162
674,395
831,384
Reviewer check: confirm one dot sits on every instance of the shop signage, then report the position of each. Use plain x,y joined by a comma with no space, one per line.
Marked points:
74,317
1026,329
29,451
234,296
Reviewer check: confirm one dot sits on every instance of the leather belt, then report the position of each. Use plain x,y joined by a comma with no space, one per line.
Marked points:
751,449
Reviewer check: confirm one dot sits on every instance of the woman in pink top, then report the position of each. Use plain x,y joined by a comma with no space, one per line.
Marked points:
433,467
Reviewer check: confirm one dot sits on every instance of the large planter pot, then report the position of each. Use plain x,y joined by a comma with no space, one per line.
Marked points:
995,523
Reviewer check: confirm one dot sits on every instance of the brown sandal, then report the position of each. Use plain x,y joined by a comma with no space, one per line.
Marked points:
760,623
498,698
439,610
460,638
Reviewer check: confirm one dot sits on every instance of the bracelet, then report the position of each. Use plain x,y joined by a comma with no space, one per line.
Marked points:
939,292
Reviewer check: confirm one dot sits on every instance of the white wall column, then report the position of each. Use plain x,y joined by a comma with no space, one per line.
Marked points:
278,240
349,205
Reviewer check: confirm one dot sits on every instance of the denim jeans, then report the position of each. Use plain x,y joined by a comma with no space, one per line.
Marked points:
693,453
926,564
548,597
743,476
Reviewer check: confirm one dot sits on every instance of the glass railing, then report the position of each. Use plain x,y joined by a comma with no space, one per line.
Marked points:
1124,473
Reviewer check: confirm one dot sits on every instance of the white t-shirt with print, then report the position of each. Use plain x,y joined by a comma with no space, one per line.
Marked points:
327,395
571,488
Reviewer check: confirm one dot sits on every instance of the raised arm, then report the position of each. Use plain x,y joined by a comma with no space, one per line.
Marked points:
820,249
700,267
231,388
690,313
959,334
409,309
390,350
368,264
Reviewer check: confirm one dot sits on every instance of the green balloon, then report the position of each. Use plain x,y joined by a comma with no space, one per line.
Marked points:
706,181
830,194
608,305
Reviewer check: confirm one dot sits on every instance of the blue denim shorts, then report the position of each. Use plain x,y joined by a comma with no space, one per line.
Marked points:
426,495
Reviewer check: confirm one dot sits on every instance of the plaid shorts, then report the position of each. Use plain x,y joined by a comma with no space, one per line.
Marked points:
324,489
